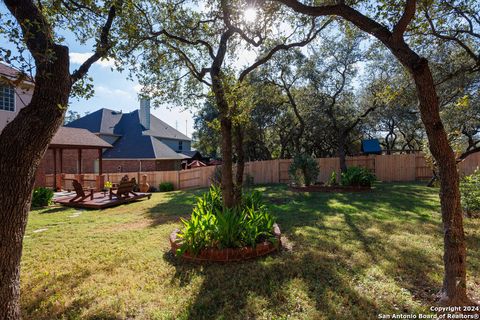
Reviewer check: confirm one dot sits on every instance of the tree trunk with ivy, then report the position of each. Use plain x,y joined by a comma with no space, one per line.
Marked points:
239,148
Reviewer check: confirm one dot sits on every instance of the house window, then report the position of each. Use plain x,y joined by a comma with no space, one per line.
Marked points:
7,98
180,145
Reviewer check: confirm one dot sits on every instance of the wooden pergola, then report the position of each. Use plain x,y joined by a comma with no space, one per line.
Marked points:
75,139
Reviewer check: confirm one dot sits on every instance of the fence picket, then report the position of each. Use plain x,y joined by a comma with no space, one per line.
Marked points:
388,168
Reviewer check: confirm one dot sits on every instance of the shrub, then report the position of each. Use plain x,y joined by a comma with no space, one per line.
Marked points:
357,176
165,187
42,197
303,170
249,181
152,189
470,192
213,226
332,181
216,177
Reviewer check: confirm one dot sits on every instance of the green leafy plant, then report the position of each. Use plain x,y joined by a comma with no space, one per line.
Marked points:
213,226
357,176
249,181
228,228
332,181
303,170
165,187
42,197
470,192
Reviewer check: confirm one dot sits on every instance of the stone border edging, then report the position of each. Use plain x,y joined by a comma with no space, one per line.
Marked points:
228,254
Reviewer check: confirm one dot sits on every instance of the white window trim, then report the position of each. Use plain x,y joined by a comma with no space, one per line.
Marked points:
14,99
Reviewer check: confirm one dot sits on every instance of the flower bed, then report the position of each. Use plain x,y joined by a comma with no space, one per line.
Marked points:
228,254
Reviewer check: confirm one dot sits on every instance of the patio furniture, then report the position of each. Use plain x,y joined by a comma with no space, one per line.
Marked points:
125,188
79,190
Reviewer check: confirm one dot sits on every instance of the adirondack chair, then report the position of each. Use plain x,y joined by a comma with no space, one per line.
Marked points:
125,188
81,196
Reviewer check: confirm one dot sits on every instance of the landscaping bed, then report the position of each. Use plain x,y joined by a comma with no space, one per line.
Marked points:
228,254
223,234
324,188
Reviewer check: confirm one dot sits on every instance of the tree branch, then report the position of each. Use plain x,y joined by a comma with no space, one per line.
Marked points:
103,45
464,155
311,35
407,16
348,13
186,41
437,34
37,32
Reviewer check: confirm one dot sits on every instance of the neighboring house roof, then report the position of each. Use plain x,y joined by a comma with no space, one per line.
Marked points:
371,146
13,74
104,121
100,121
74,137
134,144
8,71
134,141
215,163
196,164
160,129
190,153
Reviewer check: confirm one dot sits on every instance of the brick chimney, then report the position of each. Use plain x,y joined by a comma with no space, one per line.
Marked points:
144,113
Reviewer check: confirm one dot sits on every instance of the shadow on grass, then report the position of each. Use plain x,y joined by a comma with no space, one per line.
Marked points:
43,304
240,290
175,204
52,210
321,261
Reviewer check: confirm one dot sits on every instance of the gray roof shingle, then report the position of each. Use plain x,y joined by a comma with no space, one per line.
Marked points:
134,142
160,129
77,137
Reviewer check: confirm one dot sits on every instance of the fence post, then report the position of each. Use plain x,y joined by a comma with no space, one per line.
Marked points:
178,179
100,182
58,183
277,171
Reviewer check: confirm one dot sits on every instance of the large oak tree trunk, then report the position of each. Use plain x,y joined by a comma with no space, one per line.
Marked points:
226,134
342,155
240,164
454,282
227,163
23,143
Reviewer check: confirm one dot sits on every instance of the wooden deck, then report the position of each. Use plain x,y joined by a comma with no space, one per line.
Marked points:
100,201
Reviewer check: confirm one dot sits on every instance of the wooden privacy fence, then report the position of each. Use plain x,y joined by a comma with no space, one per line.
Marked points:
387,168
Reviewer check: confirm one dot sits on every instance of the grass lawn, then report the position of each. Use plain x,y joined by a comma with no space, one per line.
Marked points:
347,256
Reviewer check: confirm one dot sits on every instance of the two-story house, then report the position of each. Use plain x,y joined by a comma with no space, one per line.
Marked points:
15,93
141,141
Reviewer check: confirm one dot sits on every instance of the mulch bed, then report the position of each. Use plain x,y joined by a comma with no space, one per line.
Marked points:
230,254
323,188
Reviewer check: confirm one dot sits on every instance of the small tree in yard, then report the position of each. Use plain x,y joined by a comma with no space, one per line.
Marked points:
304,170
389,23
189,54
24,140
